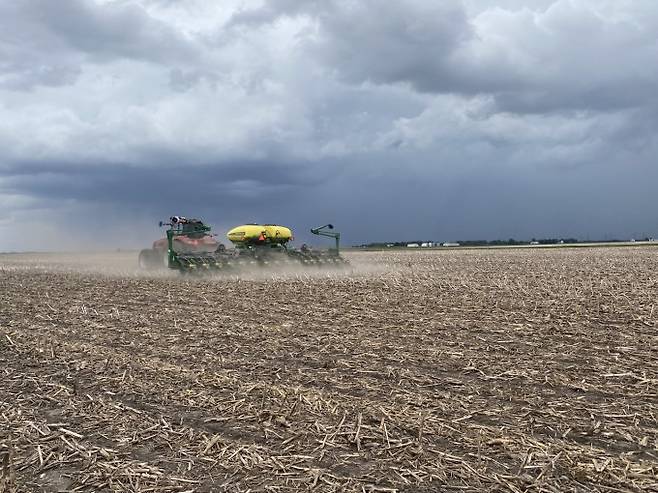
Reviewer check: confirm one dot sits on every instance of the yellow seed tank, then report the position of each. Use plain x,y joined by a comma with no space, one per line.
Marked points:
259,233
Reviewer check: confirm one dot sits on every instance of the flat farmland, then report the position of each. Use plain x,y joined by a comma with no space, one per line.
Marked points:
481,370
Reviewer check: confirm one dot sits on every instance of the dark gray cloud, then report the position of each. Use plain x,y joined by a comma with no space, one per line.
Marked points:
115,30
548,56
47,43
112,183
396,120
395,42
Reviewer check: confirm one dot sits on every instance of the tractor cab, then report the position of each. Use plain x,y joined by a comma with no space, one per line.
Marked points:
192,228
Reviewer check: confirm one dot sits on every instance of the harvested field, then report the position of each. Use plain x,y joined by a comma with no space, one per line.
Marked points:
485,370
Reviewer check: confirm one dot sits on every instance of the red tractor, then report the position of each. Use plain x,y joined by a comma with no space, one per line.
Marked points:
191,236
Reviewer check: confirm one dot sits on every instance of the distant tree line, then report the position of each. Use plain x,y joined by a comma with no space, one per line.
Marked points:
508,242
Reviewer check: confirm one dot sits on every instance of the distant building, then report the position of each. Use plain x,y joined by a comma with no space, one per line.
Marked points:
534,243
427,244
413,245
447,244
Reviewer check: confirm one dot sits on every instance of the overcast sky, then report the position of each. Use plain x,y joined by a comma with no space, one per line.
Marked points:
395,120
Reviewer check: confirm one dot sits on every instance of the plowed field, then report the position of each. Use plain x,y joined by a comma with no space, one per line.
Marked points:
484,370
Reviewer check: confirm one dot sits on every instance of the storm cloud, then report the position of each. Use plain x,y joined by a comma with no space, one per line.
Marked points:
397,120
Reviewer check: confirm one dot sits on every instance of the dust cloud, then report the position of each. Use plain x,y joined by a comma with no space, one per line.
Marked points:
124,264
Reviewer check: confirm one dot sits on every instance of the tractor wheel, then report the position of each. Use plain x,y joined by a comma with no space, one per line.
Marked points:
146,258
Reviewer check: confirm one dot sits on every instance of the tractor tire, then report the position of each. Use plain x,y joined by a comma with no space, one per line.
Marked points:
150,259
145,259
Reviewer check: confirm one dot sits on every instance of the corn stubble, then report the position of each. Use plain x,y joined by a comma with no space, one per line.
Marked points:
510,370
